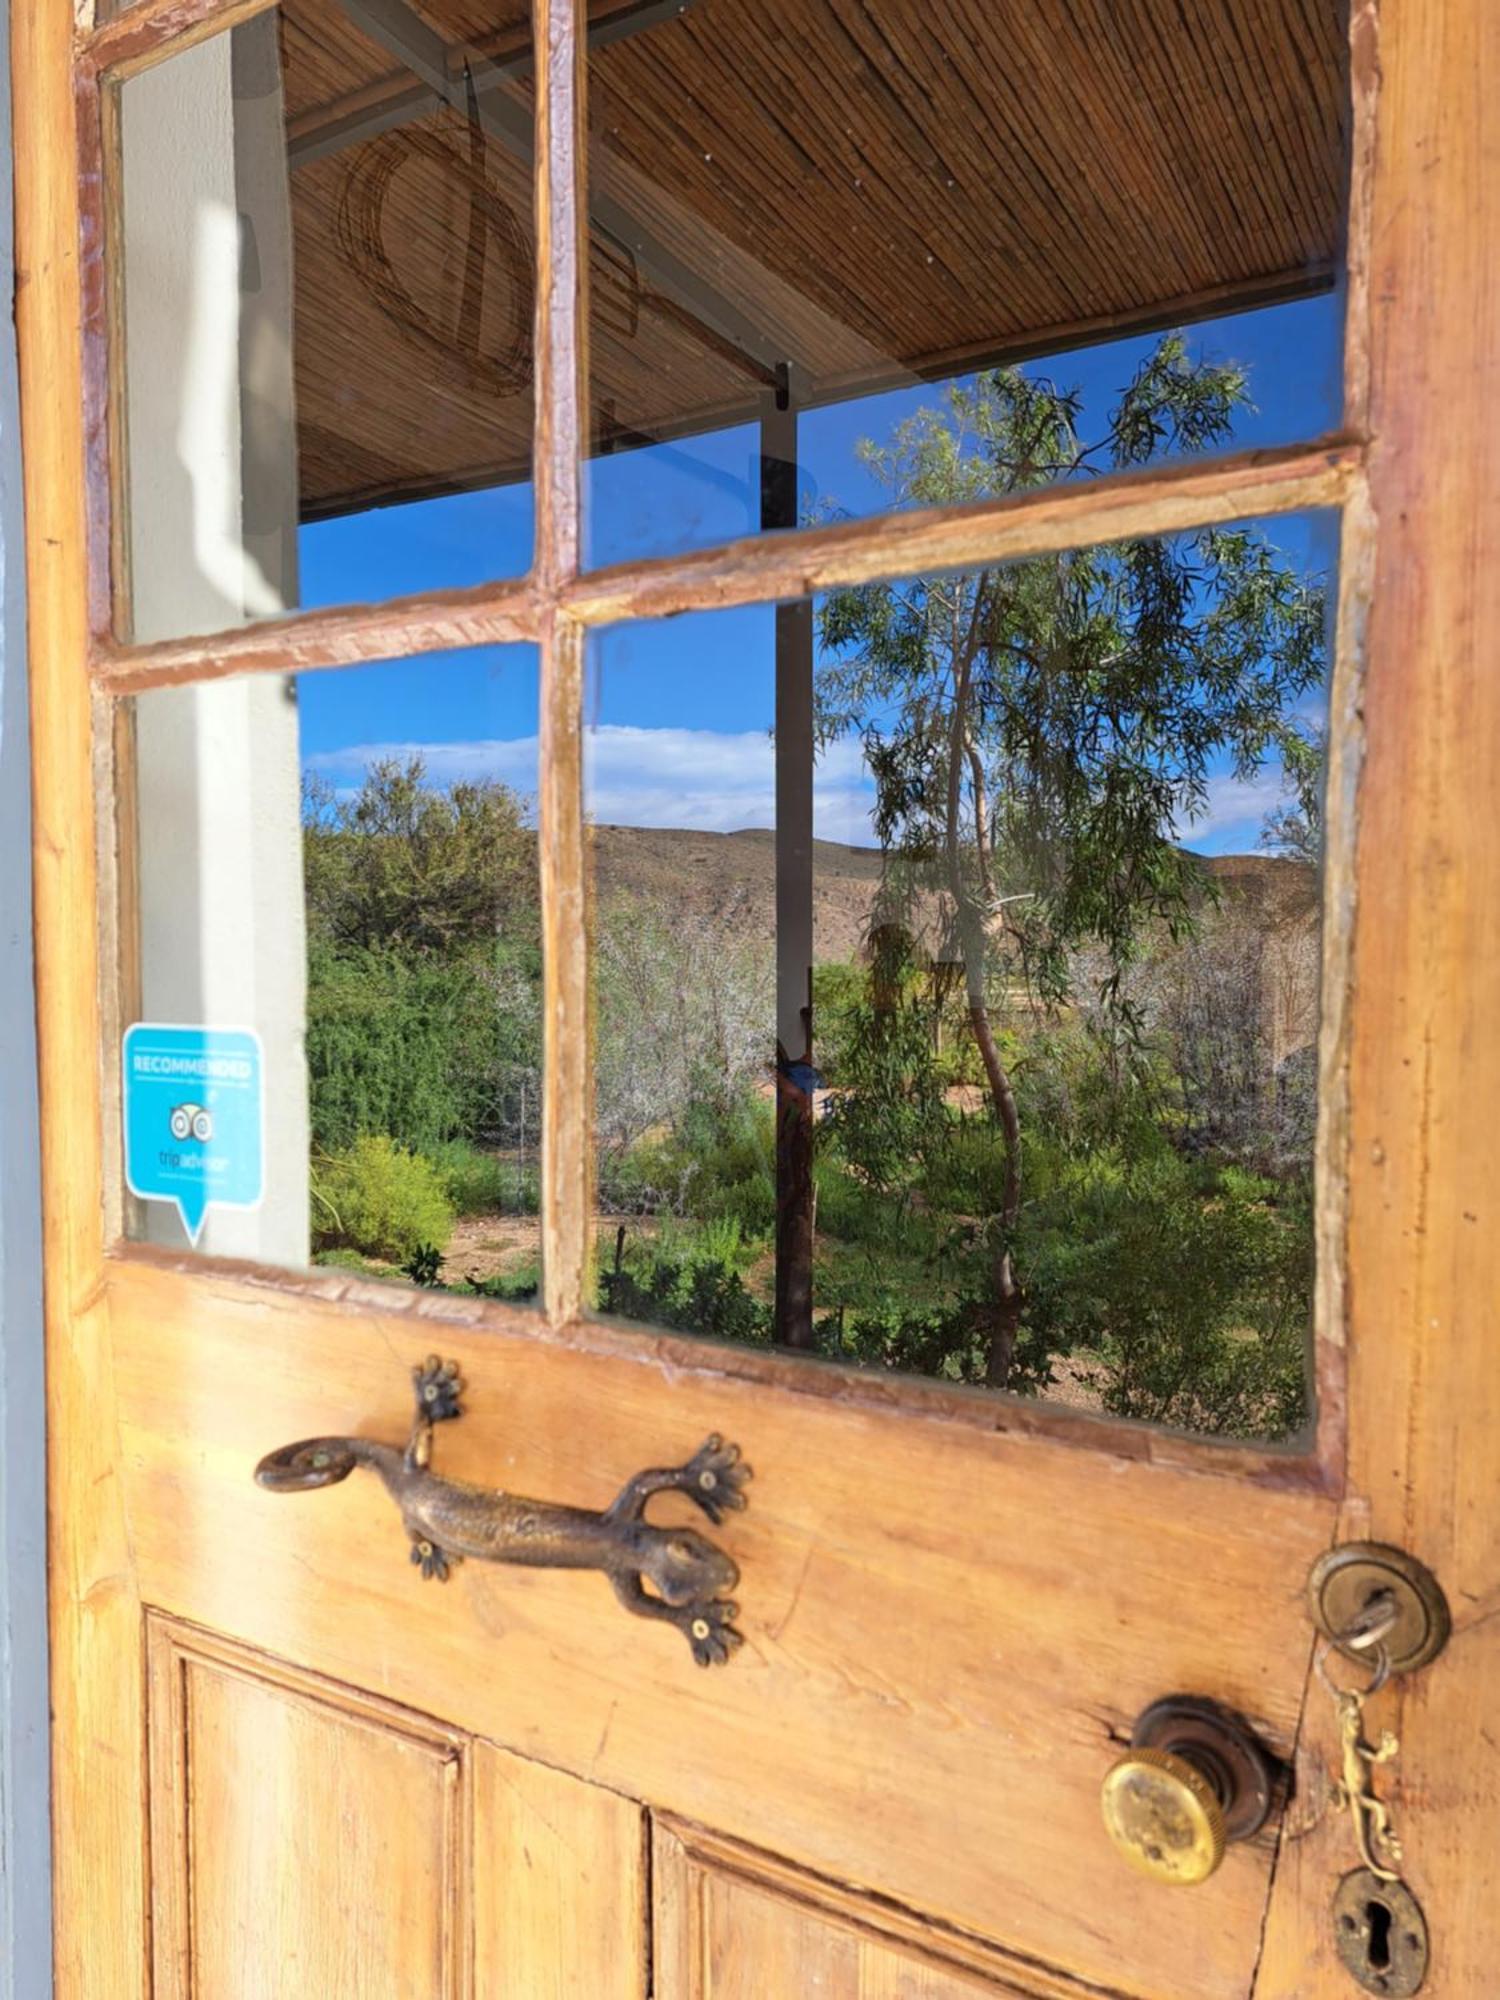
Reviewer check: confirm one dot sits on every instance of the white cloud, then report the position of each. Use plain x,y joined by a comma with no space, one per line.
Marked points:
713,781
719,781
510,759
1234,812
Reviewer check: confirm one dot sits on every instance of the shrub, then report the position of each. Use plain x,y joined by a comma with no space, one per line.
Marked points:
380,1199
1192,1307
717,1162
965,1166
422,1045
425,1266
852,1212
682,1008
721,1239
482,1183
945,1341
733,1152
517,1287
687,1275
700,1296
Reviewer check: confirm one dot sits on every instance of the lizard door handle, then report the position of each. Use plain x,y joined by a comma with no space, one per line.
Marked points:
689,1578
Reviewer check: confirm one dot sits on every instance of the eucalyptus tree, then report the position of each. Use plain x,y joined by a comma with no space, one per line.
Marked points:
1041,732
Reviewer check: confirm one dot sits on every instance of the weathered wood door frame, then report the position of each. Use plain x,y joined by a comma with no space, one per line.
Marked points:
1407,1432
25,1885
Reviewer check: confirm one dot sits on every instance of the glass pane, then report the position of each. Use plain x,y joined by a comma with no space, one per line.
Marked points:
337,947
325,241
804,216
956,973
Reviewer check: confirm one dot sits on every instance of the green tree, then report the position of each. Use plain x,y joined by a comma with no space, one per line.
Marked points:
403,860
1038,731
424,960
1295,829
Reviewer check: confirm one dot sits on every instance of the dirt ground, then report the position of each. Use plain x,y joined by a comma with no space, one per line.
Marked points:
491,1246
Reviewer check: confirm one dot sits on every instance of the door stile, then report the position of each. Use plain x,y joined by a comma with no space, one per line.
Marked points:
99,1832
1424,1168
1344,772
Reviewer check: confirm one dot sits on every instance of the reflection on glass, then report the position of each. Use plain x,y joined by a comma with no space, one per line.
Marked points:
345,864
820,210
325,243
957,969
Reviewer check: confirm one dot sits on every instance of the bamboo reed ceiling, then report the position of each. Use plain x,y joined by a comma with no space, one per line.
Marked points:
868,190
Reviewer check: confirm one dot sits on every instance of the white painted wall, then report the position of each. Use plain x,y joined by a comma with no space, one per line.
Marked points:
212,542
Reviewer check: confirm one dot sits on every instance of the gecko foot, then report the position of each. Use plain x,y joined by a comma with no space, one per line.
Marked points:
431,1560
710,1630
715,1477
438,1385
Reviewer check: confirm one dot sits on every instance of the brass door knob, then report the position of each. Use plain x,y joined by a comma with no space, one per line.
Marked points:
1164,1816
1194,1779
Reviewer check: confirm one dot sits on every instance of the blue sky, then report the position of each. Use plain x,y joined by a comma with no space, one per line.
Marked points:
680,708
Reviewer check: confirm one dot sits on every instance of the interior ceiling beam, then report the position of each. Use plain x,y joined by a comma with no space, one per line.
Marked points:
474,86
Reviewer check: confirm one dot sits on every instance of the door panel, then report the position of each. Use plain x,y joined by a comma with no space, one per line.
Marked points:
301,1836
307,1838
735,1924
560,1901
948,1631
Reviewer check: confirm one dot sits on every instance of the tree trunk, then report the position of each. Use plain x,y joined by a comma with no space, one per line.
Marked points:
1005,1320
1006,1325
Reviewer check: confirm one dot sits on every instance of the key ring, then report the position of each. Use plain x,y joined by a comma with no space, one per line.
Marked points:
1363,1641
1380,1672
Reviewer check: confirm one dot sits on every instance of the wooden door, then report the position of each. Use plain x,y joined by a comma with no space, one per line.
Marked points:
285,1762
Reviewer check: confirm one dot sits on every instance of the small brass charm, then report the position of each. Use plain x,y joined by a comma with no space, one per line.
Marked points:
1379,1849
690,1579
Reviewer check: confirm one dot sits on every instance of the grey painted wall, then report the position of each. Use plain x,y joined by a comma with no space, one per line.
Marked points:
25,1875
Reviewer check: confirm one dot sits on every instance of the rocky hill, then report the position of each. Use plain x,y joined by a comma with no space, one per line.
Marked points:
730,878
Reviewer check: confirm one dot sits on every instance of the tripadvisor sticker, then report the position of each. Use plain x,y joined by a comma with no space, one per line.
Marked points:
194,1118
